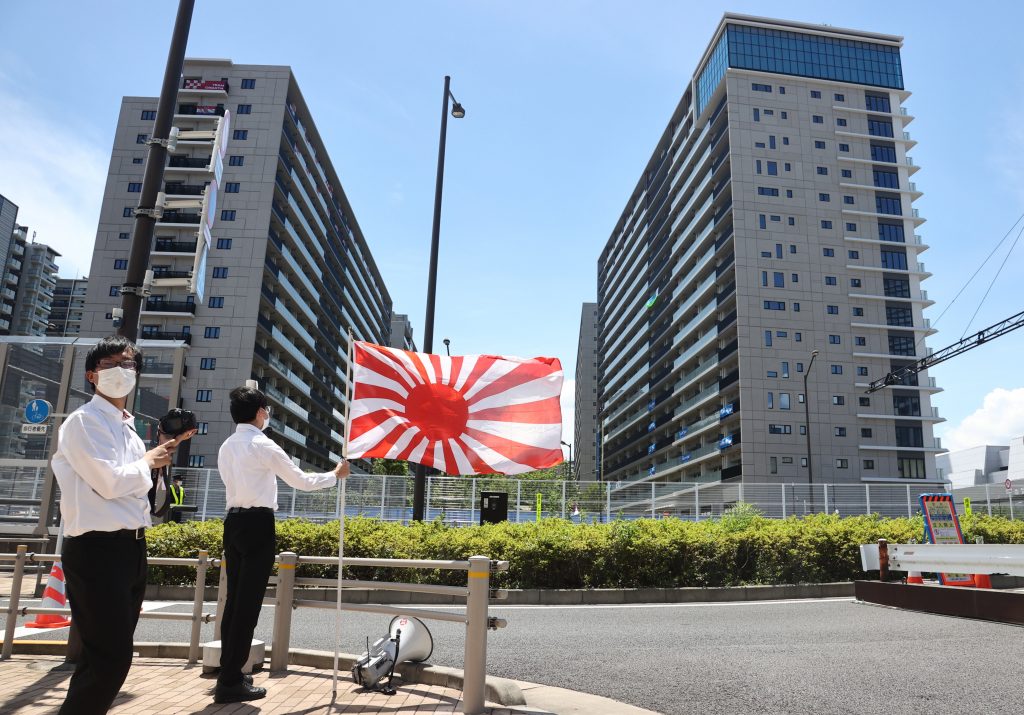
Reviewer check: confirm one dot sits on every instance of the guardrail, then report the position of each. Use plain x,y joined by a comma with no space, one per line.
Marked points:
943,558
477,593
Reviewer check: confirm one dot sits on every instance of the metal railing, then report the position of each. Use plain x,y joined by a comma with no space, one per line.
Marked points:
477,593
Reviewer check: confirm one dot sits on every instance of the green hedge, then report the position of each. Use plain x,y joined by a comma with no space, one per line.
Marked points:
554,553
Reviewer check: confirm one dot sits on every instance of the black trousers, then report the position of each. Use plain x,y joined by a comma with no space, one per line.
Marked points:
106,581
249,548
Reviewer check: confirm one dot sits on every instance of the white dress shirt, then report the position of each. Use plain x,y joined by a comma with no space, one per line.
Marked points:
104,479
248,461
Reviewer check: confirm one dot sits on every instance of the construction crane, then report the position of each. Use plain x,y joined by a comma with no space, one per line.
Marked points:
962,346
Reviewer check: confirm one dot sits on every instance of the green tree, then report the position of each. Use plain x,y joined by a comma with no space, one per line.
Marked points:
390,467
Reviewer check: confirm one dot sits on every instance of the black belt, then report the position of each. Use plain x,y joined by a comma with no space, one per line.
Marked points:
249,509
136,534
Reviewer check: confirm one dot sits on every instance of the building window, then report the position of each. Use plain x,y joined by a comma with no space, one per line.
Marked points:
196,460
757,114
828,252
223,243
216,301
855,282
236,160
815,94
134,187
115,291
818,119
141,138
245,109
862,371
203,428
830,280
761,87
767,191
840,122
774,305
851,227
860,341
883,152
840,432
138,160
823,170
824,197
767,334
148,114
124,235
240,134
784,403
818,144
795,277
865,432
787,166
832,309
857,312
211,332
227,215
826,224
773,168
208,364
779,279
842,464
129,212
834,339
220,272
120,264
869,464
792,221
231,187
773,465
840,97
771,401
204,395
248,84
844,148
836,369
864,401
780,429
838,400
848,200
785,370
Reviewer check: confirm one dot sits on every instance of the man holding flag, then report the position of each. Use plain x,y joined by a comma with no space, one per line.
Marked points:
249,463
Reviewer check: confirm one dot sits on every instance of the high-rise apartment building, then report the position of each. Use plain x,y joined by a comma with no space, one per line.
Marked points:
288,271
401,332
8,224
68,307
774,220
585,438
35,288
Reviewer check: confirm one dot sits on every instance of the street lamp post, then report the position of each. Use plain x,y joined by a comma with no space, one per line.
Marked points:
420,481
807,420
447,342
567,444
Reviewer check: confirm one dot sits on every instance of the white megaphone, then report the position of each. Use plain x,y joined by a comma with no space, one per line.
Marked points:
408,640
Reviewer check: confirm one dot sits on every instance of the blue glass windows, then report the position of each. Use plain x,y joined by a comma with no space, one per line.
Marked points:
880,128
886,179
877,102
888,204
883,152
891,232
755,87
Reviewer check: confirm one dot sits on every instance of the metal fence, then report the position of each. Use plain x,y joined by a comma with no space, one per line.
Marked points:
456,500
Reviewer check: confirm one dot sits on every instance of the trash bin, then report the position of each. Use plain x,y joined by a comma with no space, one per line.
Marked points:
493,507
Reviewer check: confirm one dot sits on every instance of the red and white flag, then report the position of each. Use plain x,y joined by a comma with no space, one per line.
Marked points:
472,414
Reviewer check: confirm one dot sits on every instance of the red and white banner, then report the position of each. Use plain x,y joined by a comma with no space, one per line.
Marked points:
472,414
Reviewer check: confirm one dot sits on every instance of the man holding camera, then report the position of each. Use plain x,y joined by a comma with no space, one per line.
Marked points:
249,463
104,473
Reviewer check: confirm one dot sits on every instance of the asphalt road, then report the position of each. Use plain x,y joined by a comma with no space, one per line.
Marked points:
825,656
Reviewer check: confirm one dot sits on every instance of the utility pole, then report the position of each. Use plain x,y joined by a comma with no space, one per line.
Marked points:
134,289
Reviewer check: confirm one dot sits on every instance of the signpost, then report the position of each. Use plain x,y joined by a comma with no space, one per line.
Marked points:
37,411
942,527
1009,485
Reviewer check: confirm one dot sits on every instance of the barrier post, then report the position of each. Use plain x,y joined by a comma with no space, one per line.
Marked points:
883,560
222,596
476,635
197,606
283,611
12,606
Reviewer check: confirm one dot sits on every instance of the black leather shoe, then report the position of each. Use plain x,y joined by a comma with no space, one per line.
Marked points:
246,678
238,693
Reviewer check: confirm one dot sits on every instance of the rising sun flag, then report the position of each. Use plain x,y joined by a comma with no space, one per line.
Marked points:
472,414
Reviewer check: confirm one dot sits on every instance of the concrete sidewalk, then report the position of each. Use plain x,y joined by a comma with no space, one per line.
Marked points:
36,685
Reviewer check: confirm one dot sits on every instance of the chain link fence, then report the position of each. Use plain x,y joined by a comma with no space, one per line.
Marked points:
456,500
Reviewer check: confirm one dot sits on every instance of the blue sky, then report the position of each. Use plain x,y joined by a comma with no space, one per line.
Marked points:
565,101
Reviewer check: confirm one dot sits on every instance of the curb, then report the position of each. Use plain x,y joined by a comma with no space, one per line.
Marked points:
496,690
548,597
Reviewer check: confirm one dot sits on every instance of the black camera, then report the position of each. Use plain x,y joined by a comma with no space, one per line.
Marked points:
177,422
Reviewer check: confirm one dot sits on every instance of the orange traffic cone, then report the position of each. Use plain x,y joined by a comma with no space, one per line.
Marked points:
982,580
914,577
53,597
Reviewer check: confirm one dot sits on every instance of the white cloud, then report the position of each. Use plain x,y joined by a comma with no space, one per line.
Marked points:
568,402
55,177
1000,417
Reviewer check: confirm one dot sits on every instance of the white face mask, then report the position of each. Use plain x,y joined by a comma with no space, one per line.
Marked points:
115,382
266,422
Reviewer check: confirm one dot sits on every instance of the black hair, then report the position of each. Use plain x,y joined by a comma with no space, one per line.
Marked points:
109,347
245,403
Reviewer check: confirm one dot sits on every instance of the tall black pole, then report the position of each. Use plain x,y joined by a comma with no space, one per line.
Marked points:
142,235
807,422
420,481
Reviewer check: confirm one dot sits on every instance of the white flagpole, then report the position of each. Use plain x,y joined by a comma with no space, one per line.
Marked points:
341,521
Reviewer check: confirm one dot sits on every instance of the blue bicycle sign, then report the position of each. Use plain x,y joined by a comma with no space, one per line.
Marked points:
37,411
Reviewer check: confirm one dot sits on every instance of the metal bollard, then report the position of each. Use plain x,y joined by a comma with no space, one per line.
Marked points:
12,606
883,560
475,664
197,606
283,611
222,596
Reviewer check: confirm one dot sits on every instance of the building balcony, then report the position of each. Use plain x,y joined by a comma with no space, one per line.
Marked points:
164,335
188,162
186,111
166,273
175,189
169,246
178,219
169,306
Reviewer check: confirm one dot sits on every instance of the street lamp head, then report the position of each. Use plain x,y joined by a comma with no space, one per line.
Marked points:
458,111
566,443
814,353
